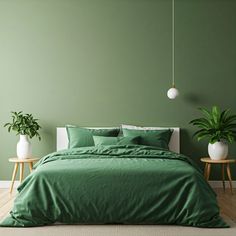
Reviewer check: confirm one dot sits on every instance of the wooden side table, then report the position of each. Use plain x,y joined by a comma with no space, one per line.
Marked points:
20,162
208,161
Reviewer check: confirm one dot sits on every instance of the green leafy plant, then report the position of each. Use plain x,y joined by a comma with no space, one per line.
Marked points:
215,125
24,124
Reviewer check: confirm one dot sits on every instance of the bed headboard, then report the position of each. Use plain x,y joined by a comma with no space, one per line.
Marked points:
174,145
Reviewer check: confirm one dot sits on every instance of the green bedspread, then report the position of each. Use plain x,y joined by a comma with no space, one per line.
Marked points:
115,184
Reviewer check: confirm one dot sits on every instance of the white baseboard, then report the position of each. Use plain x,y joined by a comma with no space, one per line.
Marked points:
7,184
214,184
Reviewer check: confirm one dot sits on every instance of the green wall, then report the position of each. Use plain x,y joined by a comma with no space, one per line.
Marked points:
107,62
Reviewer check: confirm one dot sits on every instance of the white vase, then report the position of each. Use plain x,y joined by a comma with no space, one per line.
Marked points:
218,150
24,148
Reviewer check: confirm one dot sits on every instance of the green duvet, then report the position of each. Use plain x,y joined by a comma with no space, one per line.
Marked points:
115,185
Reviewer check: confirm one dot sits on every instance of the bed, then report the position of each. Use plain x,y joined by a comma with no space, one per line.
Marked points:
115,184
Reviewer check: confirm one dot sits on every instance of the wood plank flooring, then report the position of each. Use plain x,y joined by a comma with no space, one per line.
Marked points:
227,202
6,201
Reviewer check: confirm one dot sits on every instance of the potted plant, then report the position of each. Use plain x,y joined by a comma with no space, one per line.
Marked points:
219,127
27,127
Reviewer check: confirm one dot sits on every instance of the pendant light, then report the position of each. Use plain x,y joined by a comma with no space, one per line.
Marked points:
172,93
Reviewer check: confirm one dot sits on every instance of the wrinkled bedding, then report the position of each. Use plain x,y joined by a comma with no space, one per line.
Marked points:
115,185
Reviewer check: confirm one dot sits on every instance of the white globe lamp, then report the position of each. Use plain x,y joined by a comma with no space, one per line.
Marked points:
172,93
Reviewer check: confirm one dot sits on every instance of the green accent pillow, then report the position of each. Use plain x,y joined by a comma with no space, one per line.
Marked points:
101,140
157,138
82,137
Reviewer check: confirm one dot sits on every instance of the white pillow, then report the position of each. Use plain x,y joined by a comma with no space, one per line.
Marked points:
107,127
141,128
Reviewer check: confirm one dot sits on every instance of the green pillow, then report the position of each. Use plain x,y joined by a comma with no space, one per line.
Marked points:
101,140
82,137
157,138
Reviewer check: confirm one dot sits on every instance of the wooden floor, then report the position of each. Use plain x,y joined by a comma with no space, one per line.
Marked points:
227,203
6,201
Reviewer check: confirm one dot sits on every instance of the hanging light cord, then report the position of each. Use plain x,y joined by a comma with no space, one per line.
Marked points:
173,43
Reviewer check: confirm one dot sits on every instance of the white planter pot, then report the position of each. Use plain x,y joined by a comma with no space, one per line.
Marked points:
218,150
24,148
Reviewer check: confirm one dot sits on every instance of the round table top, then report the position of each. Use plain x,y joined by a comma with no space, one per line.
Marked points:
209,160
16,159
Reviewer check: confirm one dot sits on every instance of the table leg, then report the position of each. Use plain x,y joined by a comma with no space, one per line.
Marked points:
223,175
205,171
31,166
21,171
14,176
208,171
230,178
